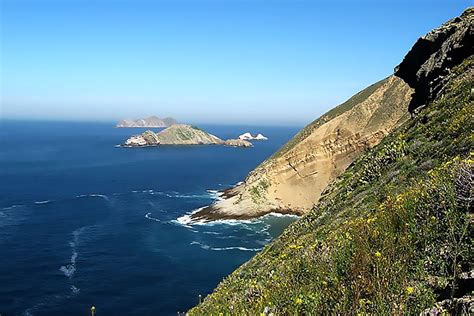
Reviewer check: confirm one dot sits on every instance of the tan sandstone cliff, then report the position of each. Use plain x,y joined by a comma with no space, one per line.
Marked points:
292,180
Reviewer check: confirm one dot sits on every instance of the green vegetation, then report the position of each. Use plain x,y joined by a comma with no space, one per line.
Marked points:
338,110
259,191
150,137
390,236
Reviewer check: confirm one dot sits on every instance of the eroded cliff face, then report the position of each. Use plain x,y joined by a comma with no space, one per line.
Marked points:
292,180
392,235
427,66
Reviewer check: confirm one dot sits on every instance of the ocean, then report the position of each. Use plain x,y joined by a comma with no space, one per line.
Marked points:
83,223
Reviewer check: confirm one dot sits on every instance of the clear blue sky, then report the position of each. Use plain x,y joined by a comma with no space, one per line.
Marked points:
264,62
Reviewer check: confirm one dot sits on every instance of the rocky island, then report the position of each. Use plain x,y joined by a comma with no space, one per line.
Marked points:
181,134
248,136
152,121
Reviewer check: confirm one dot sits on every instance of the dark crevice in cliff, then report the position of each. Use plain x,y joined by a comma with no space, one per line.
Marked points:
298,173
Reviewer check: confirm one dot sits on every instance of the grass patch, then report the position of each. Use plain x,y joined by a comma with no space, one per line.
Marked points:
390,236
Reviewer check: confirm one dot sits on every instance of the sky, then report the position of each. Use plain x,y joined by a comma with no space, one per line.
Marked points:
230,62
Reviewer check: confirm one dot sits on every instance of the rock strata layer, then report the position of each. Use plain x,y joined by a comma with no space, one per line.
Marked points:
291,181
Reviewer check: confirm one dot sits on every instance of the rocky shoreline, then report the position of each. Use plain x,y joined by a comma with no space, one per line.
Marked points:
215,211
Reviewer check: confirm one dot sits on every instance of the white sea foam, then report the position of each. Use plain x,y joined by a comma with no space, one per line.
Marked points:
12,207
274,214
187,196
51,300
99,195
186,219
75,290
228,237
148,216
70,268
211,233
103,196
207,247
43,202
215,194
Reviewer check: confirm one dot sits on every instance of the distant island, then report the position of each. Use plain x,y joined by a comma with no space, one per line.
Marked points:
181,134
152,121
248,136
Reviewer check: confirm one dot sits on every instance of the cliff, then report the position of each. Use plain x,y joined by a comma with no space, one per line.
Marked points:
393,233
434,55
291,181
152,121
181,134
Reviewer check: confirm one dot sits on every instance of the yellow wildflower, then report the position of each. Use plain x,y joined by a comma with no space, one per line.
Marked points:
378,254
410,290
298,301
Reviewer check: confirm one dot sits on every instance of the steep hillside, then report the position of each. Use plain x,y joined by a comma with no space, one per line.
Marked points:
392,234
292,179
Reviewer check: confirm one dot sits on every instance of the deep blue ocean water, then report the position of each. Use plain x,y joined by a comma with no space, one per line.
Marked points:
84,223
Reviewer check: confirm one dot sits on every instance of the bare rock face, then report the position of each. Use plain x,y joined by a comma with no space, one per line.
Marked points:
427,66
291,181
181,134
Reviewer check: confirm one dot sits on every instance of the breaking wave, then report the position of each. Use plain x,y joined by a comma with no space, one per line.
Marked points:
43,202
70,268
103,196
207,247
148,216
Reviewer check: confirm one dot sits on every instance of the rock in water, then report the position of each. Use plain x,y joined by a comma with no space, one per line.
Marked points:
238,143
260,137
248,136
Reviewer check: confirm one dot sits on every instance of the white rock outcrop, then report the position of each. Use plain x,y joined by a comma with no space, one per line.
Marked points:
248,136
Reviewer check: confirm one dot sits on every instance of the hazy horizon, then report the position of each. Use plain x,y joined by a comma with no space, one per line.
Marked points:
244,63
